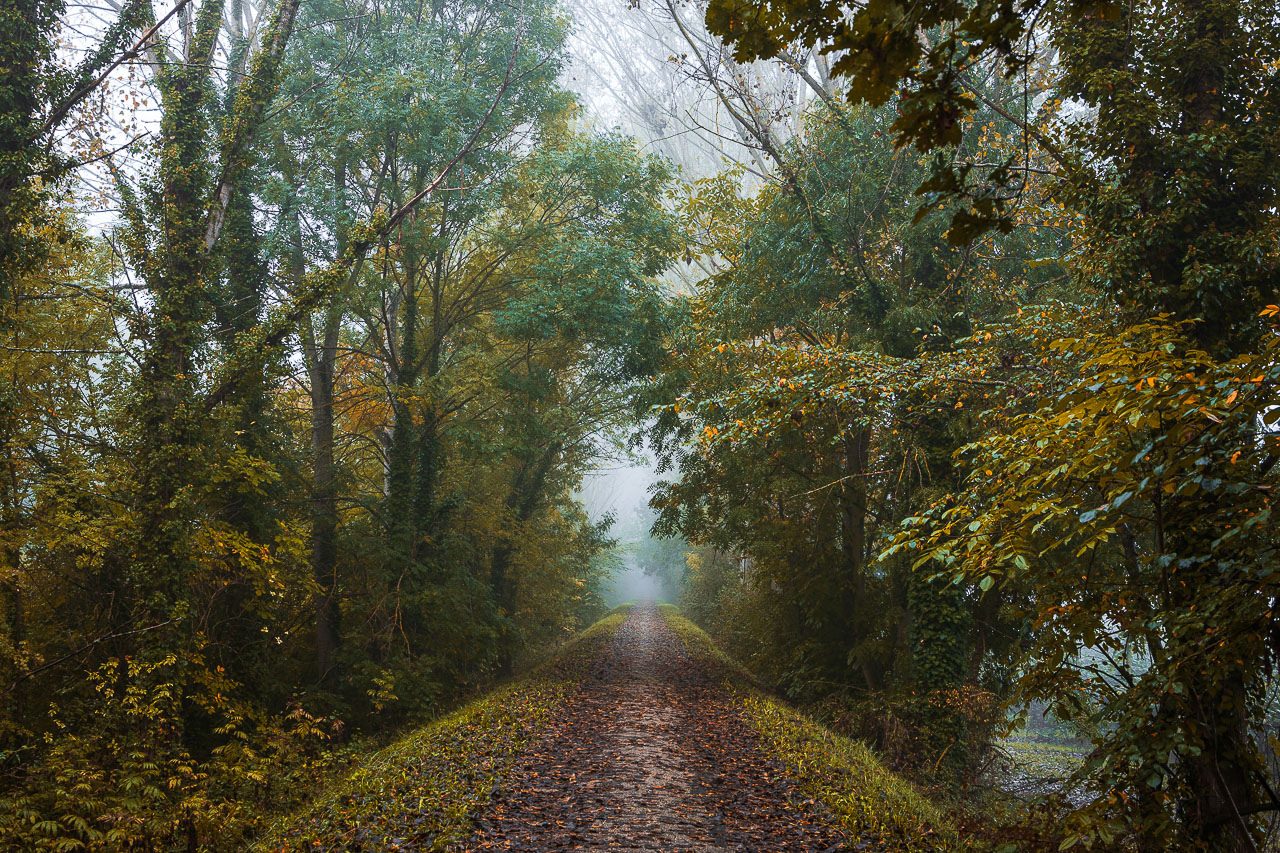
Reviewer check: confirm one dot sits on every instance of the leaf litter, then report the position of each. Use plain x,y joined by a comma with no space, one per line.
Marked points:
650,754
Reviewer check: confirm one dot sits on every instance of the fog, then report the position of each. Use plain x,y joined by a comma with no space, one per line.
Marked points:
648,68
620,489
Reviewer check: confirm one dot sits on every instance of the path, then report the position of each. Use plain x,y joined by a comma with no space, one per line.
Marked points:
649,755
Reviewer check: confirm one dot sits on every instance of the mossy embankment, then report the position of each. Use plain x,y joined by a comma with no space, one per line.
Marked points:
424,791
874,806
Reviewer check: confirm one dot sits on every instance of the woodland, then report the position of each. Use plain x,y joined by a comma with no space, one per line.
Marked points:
948,329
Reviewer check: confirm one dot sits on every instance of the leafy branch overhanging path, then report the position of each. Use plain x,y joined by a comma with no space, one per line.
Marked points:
650,755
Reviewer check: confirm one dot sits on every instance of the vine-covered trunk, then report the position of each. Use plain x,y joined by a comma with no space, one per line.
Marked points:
522,502
177,278
15,629
30,28
238,310
402,454
10,568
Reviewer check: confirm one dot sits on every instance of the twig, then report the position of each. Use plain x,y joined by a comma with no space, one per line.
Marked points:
26,675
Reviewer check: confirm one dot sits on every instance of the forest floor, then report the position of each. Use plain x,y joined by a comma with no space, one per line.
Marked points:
651,755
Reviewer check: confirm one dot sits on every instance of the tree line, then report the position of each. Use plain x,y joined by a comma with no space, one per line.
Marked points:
955,342
978,405
290,445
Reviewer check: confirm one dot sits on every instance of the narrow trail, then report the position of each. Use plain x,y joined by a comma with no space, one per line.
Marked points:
649,755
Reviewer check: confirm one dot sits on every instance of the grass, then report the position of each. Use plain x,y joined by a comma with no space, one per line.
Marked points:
424,791
874,806
1041,764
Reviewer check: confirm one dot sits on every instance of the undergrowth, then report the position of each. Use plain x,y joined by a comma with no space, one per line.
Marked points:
874,806
423,791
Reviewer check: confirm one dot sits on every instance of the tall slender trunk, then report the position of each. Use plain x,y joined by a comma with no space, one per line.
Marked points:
401,460
853,543
324,502
321,356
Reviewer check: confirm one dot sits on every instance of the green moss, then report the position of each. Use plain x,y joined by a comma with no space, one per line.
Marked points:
872,804
423,791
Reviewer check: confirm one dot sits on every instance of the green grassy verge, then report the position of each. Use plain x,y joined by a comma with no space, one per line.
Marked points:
424,791
872,805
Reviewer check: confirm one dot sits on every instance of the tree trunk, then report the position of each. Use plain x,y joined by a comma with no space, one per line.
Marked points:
853,543
17,630
236,314
428,475
1221,777
522,501
176,278
320,356
324,503
402,456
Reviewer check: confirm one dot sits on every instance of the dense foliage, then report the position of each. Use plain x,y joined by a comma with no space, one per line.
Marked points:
1065,478
290,450
429,787
964,396
811,419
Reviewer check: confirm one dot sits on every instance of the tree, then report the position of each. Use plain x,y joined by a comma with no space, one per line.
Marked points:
388,107
1132,507
809,386
1172,171
414,222
37,99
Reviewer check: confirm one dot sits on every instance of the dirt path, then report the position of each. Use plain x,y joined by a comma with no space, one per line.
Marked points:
649,755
